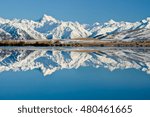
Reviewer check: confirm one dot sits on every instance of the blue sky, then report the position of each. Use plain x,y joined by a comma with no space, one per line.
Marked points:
84,11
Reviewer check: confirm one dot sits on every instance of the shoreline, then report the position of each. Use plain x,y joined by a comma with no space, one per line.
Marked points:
74,43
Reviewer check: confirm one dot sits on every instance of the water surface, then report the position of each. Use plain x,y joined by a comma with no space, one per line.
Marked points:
67,73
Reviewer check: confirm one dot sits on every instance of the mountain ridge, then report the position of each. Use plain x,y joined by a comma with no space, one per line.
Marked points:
48,27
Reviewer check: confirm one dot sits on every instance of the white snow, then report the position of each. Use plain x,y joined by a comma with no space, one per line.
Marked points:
51,28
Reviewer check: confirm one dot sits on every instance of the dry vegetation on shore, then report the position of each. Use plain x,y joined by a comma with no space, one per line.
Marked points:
75,43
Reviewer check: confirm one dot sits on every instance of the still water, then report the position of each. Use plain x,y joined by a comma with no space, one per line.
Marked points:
80,74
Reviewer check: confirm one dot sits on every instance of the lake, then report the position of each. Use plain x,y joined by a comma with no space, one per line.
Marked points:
94,73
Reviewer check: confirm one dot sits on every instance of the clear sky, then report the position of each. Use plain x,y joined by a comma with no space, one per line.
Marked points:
84,11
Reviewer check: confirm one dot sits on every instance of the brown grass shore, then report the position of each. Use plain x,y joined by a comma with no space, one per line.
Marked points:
75,43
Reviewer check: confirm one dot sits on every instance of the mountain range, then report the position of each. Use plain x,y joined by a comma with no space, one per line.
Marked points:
48,27
50,61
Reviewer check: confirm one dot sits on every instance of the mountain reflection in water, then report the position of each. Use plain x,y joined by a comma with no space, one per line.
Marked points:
53,60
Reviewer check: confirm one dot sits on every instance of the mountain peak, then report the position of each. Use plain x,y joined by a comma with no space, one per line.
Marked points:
46,18
148,19
111,21
96,24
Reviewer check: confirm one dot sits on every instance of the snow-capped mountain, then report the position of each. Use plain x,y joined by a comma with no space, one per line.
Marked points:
123,30
50,61
48,27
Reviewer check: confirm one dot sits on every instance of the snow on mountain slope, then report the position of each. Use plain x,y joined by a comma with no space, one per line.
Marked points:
55,29
20,29
123,30
4,35
49,61
132,35
68,30
50,28
111,27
